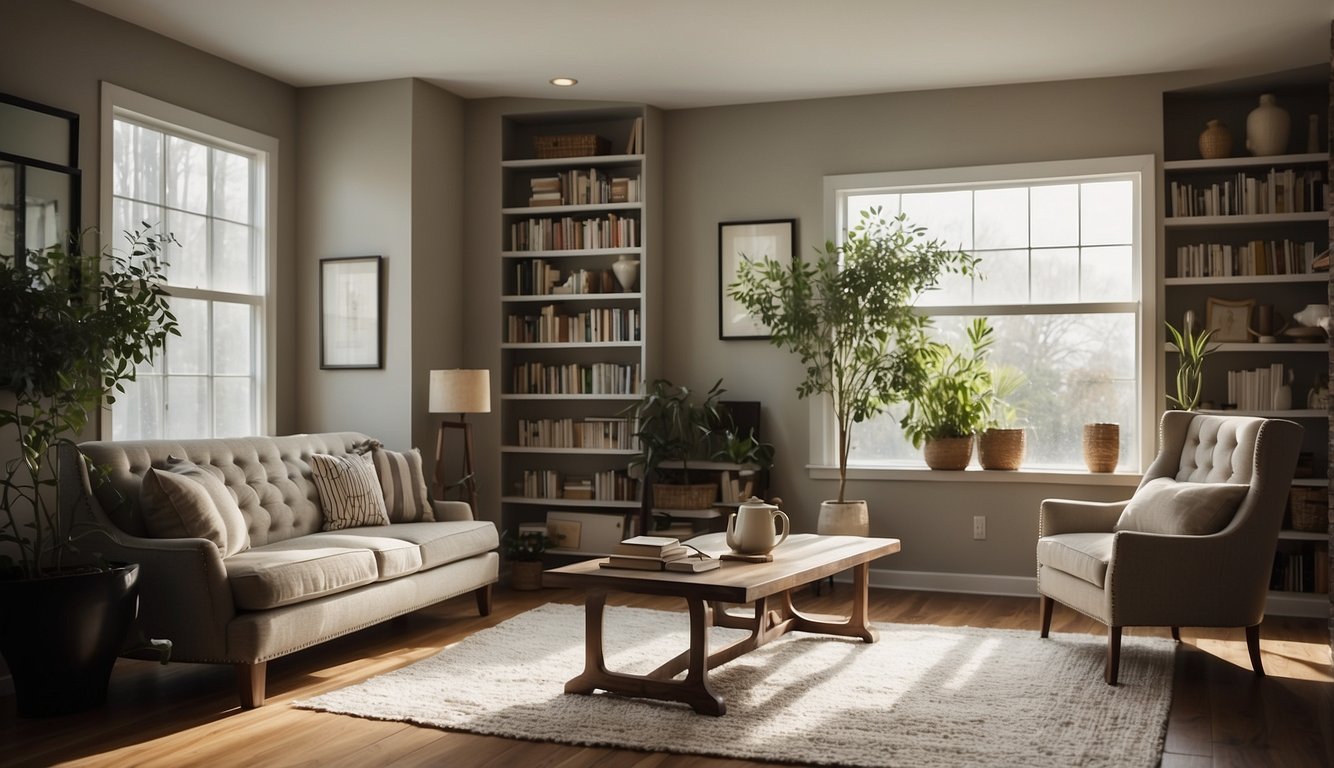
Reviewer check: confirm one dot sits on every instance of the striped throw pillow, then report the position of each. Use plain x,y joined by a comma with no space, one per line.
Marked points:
349,491
404,485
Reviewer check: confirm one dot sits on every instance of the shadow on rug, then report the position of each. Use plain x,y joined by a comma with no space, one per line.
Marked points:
923,696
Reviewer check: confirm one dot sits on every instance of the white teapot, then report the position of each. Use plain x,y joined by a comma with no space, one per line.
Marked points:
1314,316
751,529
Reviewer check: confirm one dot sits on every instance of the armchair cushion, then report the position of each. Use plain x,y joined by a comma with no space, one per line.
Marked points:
1082,555
1164,505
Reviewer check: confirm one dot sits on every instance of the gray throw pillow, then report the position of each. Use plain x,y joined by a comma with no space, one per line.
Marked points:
349,490
404,485
184,500
1164,505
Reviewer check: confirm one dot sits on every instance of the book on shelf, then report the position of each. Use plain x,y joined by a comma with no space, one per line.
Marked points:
693,564
635,145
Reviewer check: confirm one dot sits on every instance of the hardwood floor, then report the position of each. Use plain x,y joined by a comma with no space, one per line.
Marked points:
187,714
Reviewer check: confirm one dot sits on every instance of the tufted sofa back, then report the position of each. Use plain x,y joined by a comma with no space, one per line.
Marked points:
269,475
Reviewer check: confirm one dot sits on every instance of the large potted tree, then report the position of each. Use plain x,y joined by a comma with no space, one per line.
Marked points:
849,316
76,326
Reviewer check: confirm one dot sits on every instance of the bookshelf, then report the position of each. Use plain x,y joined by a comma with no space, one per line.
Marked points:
576,341
1242,229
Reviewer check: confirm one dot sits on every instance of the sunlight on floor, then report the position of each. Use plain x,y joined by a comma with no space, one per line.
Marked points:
975,661
1293,660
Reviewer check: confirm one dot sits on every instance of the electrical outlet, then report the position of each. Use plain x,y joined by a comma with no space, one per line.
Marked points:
979,526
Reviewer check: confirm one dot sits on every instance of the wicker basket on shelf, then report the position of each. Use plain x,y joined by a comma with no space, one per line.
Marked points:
1102,447
570,145
699,496
1310,509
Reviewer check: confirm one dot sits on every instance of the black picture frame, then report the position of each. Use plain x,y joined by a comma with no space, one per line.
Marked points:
753,240
39,170
351,316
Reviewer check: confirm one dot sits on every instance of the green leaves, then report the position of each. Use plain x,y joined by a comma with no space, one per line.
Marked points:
1193,348
959,394
74,326
849,316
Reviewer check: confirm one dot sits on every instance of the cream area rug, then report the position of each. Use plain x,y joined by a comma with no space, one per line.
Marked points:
923,696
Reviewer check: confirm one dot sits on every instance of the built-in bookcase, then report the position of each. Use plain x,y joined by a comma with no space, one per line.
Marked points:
581,190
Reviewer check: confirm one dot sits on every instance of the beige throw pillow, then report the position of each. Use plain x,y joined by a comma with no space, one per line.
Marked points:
404,484
349,490
186,501
1193,509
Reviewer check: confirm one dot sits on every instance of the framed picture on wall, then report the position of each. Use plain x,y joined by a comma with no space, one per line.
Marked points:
1229,320
351,323
753,241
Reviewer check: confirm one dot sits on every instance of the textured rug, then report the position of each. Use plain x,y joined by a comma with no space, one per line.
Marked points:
923,696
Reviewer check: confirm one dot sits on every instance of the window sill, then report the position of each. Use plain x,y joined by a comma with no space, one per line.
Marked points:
977,475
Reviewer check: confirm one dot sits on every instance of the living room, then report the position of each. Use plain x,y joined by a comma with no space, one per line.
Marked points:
399,165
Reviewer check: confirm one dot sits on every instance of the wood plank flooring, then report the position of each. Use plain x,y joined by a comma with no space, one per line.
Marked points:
187,714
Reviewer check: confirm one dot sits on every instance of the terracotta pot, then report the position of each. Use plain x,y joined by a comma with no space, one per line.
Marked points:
1001,448
843,518
526,575
948,452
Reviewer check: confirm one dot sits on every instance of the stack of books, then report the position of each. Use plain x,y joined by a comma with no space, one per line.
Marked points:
658,553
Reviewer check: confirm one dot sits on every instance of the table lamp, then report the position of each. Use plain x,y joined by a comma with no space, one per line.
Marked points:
463,392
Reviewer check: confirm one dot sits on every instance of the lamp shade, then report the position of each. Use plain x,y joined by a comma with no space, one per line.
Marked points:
460,391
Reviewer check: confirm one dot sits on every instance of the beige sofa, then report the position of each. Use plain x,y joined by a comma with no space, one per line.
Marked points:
296,585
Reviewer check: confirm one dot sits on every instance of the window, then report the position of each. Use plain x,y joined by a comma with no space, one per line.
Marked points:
208,184
1066,259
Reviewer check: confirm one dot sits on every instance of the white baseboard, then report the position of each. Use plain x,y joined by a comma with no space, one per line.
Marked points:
1304,606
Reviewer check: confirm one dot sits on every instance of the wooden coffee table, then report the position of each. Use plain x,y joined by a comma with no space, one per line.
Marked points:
802,559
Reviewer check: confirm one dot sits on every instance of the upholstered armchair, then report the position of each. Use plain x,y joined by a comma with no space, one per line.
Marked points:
1193,547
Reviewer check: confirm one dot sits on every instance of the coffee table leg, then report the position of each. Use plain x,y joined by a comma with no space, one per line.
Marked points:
858,623
693,690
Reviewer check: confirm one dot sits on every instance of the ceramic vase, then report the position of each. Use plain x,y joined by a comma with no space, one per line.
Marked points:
1215,141
1267,128
843,518
627,272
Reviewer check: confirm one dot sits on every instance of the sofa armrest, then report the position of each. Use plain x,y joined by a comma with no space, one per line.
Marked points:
451,511
1071,516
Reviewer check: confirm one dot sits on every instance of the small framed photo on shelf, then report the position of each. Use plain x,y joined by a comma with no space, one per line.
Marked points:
351,324
751,241
1229,320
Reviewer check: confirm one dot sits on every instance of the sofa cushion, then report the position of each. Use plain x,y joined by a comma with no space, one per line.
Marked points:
281,574
1164,505
404,485
1082,555
350,494
186,501
393,557
440,543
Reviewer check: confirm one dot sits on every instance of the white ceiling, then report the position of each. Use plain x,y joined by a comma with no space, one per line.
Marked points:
691,53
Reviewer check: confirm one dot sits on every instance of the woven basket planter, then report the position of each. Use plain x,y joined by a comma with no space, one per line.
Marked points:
570,145
1102,447
1310,510
1001,448
526,574
699,496
948,452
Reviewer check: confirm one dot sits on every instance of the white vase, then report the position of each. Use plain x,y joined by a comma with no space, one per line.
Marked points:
627,272
843,518
1267,128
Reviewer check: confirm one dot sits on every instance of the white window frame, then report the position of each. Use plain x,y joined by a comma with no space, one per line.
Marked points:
1141,170
118,102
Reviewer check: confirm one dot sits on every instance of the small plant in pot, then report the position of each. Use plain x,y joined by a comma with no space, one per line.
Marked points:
955,403
1192,350
76,326
674,424
849,316
524,552
1001,445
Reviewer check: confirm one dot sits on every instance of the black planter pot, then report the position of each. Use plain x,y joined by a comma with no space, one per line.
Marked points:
60,636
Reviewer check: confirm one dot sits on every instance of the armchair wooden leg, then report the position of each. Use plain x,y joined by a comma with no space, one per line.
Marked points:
483,595
1176,634
1253,647
250,683
1047,604
1113,654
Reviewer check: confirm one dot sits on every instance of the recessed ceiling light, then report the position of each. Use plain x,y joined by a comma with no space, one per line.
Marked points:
563,82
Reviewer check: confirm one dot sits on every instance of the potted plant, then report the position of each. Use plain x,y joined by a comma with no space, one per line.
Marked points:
673,424
525,555
955,403
848,315
76,325
1001,445
1192,348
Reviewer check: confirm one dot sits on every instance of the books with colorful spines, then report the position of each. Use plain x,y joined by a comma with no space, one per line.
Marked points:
648,546
693,564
